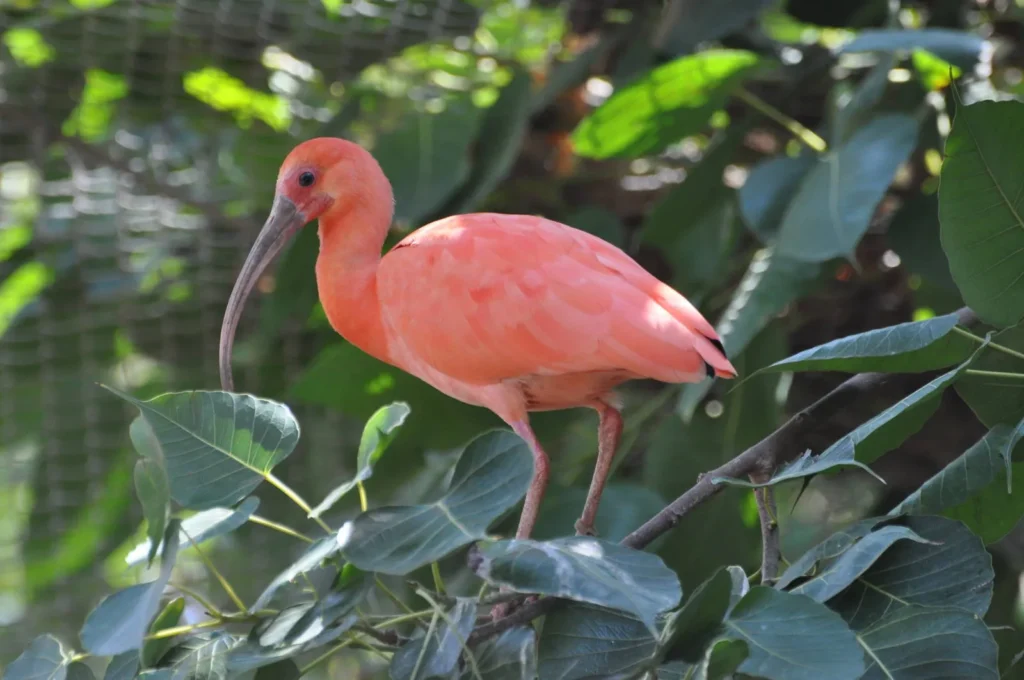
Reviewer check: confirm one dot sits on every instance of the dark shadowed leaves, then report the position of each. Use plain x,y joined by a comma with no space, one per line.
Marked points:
662,107
770,186
973,488
584,569
697,622
234,439
914,235
698,21
314,555
120,621
492,475
997,400
44,658
981,227
279,670
792,637
720,661
79,671
380,429
202,526
828,549
835,203
929,643
153,649
957,47
509,656
436,653
123,666
584,641
904,348
954,570
154,493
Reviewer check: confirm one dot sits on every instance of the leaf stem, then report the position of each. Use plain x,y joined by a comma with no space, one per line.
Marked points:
363,503
216,573
404,618
808,137
181,630
391,596
979,340
283,528
327,655
297,499
435,570
994,374
201,599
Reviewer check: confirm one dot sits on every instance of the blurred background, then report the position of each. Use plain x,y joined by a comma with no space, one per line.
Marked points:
139,144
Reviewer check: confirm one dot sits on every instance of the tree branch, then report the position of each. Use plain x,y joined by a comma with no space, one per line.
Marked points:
761,461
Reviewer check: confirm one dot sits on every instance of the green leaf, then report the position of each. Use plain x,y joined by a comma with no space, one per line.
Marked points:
202,527
310,559
768,191
837,199
155,495
828,549
380,429
832,578
914,235
583,641
854,106
492,474
509,656
792,637
954,570
997,400
699,22
153,650
584,569
436,653
929,643
79,671
202,656
689,631
806,465
719,662
120,621
124,666
973,488
43,659
670,102
235,439
279,670
980,220
957,47
911,347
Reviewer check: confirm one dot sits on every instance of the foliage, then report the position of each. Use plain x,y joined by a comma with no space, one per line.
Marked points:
765,205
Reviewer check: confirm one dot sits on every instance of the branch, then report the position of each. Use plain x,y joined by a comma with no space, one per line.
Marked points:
760,460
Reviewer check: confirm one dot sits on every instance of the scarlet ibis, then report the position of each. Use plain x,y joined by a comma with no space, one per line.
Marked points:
513,313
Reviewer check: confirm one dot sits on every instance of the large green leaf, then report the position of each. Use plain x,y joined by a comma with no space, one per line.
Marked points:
201,527
832,578
915,346
997,400
234,439
584,569
380,429
688,632
670,102
120,621
492,474
838,197
124,666
770,186
155,496
853,107
980,220
929,643
43,659
310,559
957,47
436,653
953,570
509,656
792,637
973,488
584,641
699,21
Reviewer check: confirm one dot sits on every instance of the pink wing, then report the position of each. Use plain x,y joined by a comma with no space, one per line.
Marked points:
488,297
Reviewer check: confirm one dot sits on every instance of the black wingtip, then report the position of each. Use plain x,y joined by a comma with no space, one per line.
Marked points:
718,344
709,369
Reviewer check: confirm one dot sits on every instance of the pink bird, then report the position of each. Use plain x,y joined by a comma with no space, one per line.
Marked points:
509,312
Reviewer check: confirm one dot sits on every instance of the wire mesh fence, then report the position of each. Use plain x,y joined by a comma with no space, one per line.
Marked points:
138,145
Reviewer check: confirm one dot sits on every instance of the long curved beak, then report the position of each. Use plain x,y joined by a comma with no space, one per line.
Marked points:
285,219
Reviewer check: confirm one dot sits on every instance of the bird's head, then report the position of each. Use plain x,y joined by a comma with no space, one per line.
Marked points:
320,178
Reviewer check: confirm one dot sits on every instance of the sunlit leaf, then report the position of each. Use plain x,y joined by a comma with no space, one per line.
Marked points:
837,199
981,226
584,569
222,91
234,439
28,47
20,288
120,621
202,527
436,653
492,474
380,429
672,101
792,637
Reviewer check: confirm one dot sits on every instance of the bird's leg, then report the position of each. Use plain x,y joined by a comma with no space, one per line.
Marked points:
539,483
608,433
533,498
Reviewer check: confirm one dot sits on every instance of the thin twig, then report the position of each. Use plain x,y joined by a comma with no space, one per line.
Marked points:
281,528
771,552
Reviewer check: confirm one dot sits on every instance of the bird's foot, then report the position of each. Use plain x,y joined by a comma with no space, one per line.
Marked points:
503,609
584,529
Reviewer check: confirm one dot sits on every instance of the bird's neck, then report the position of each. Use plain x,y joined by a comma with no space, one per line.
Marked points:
346,273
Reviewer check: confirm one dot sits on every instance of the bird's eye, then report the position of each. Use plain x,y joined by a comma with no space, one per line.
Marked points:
306,179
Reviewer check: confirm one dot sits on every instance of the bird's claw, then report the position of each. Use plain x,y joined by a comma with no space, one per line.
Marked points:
584,529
